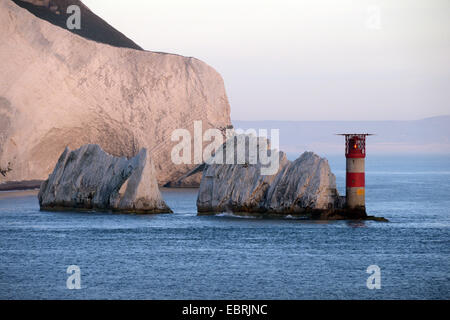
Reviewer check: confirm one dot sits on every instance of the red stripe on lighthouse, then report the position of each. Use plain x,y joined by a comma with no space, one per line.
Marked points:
355,179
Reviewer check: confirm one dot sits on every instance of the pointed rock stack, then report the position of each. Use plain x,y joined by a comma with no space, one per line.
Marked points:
89,178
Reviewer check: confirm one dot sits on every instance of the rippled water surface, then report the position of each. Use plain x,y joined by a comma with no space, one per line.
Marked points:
185,256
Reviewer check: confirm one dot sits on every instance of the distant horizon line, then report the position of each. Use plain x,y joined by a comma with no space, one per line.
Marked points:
272,120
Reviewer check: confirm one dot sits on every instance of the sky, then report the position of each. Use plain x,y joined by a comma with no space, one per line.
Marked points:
306,60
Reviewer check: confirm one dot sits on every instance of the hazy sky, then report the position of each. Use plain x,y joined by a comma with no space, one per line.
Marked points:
306,60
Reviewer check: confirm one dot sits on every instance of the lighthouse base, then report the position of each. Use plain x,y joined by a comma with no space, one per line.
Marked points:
342,211
347,214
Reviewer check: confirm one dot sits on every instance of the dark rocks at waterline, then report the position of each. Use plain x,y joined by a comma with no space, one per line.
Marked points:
91,179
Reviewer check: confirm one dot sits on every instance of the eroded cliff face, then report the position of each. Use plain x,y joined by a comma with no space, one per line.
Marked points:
60,90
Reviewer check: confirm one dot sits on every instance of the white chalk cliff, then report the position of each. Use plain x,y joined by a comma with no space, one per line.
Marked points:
89,178
58,90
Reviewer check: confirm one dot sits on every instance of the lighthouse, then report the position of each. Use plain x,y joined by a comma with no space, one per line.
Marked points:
355,154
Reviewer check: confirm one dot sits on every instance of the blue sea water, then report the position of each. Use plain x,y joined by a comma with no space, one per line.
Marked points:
185,256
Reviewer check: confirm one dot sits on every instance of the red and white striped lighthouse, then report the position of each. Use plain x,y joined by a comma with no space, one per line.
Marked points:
355,153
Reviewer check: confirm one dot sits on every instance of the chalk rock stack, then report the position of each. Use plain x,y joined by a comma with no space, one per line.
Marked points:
89,178
303,186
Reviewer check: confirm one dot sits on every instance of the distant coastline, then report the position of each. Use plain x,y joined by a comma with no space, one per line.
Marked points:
425,136
20,185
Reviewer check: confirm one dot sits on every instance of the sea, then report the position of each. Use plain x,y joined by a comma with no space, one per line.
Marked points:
186,256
